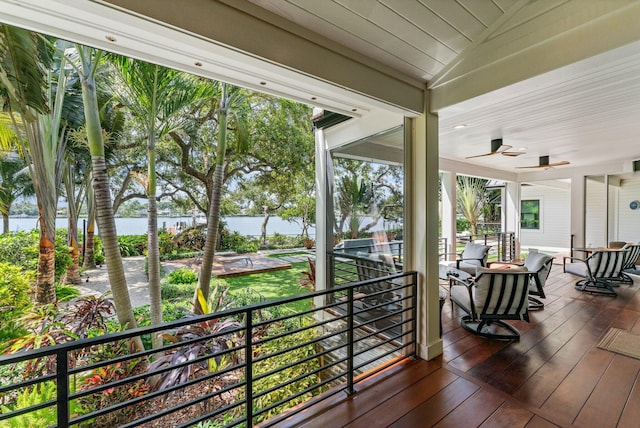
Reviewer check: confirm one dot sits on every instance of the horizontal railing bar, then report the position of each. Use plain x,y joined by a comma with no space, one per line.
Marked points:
296,315
140,331
294,331
26,383
359,366
151,395
279,369
29,409
176,408
382,317
377,332
304,406
303,392
295,379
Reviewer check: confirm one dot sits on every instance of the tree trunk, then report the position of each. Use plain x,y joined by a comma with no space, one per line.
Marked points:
46,289
72,276
102,193
213,220
153,252
5,223
263,227
89,261
213,217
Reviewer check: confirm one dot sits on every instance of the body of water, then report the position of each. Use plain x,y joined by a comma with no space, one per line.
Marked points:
138,225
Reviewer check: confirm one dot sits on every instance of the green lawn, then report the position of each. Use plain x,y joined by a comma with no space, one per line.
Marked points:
274,285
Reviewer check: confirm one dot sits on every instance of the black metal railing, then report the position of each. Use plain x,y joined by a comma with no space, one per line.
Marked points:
503,245
238,367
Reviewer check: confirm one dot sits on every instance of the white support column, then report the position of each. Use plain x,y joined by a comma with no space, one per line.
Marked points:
422,233
321,215
577,210
449,205
511,212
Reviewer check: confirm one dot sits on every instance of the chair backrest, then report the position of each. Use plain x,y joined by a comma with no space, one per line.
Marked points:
632,254
475,254
540,264
606,263
501,294
370,268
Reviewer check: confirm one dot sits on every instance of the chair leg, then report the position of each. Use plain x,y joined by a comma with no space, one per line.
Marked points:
595,287
535,304
476,327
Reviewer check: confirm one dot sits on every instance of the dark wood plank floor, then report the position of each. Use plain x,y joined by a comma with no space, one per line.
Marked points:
554,376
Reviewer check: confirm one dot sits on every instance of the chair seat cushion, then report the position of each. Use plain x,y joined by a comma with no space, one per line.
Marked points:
460,295
577,268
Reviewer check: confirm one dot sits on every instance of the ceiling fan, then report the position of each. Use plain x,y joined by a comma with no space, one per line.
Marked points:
544,163
498,148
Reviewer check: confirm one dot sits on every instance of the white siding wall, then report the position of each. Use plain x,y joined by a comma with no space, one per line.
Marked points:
595,212
555,213
629,220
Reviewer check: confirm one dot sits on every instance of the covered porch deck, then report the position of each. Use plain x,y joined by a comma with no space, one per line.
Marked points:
554,376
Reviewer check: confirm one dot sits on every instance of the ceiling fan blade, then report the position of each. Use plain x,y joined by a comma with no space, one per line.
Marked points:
512,154
544,163
559,163
496,148
479,156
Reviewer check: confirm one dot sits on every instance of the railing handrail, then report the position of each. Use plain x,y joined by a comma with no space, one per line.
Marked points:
172,325
62,351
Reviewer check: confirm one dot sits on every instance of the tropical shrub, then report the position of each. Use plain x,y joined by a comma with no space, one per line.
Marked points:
192,239
184,275
15,284
46,391
132,245
22,248
297,371
106,374
166,244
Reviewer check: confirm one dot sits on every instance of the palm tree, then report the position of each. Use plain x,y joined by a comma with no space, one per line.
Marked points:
90,59
471,198
157,97
355,197
230,105
15,182
32,88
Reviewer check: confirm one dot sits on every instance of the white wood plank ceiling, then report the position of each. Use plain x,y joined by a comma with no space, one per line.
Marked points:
417,38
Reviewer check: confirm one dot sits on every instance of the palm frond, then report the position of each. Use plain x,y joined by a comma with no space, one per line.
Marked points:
24,59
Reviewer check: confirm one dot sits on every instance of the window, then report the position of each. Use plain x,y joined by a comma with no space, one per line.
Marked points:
530,214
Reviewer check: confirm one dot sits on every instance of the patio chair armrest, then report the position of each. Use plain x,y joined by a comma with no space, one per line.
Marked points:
565,258
459,281
481,260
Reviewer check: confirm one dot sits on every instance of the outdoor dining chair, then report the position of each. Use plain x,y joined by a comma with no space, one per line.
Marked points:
539,264
495,295
600,271
473,256
632,254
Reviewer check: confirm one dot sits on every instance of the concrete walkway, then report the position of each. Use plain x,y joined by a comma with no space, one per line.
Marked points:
96,281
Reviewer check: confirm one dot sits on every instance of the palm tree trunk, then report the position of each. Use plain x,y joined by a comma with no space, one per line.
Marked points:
213,218
5,223
72,275
46,289
89,261
153,252
106,220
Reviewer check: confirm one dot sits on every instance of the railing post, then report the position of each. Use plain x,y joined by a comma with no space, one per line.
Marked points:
414,313
248,360
62,388
350,364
